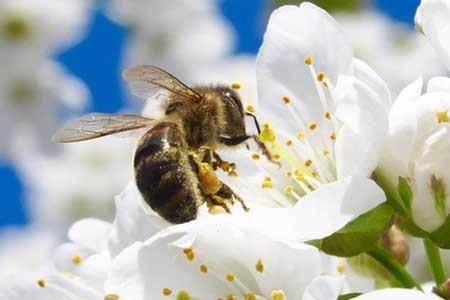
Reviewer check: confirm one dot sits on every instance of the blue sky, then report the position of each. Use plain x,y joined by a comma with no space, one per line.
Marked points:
96,60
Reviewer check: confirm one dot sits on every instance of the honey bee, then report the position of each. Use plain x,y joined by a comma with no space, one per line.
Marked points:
176,158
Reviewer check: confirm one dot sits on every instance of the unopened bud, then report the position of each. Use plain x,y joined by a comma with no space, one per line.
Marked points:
394,240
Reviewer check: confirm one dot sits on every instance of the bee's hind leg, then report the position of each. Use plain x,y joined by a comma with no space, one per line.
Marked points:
228,194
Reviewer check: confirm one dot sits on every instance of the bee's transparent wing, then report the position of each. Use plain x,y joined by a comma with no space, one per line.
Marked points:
148,81
96,125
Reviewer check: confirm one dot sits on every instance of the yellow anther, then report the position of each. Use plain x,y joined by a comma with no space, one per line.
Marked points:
166,292
308,163
314,174
183,295
111,297
278,295
286,100
328,115
289,189
259,266
288,174
230,277
189,252
308,60
235,85
231,297
442,116
267,183
251,108
325,152
340,268
289,143
41,283
333,136
203,268
300,135
267,134
320,76
250,296
312,126
276,156
76,259
255,156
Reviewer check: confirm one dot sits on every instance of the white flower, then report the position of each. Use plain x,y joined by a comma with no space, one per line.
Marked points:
212,259
432,18
33,97
36,27
389,48
418,149
397,294
78,182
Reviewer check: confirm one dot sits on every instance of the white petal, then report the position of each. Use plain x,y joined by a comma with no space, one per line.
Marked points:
90,233
397,294
294,33
402,132
324,287
131,223
434,16
367,75
365,124
439,84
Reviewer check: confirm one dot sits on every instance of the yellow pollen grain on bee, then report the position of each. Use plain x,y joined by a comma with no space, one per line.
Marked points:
289,143
250,296
328,115
308,163
216,210
340,268
286,100
41,283
77,259
300,135
308,60
325,152
312,126
230,277
111,297
233,173
251,108
203,268
166,292
278,295
189,252
333,136
235,85
442,116
255,156
259,266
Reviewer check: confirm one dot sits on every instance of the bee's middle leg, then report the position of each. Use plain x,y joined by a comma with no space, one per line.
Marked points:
228,194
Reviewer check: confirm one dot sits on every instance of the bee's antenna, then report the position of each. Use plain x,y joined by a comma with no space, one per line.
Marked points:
256,121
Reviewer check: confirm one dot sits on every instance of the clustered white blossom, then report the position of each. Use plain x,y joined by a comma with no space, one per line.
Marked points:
349,155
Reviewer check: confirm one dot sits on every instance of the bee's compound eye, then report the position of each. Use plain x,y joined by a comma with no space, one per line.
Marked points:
234,96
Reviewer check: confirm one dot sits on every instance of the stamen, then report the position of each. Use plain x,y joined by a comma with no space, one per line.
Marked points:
167,292
300,135
320,76
111,297
41,283
231,297
286,100
308,163
235,85
189,252
183,295
442,116
251,108
255,156
328,115
259,266
278,295
340,268
203,268
76,259
308,60
267,183
325,152
333,136
250,296
289,143
230,277
312,126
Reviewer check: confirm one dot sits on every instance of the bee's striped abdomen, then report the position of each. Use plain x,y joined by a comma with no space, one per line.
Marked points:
164,174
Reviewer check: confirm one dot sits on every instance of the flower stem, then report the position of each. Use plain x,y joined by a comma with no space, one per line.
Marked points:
435,262
394,267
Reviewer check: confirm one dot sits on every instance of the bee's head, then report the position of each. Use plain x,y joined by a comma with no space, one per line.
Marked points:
233,112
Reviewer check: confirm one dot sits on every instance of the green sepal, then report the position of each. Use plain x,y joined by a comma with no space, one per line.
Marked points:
358,236
348,296
404,190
